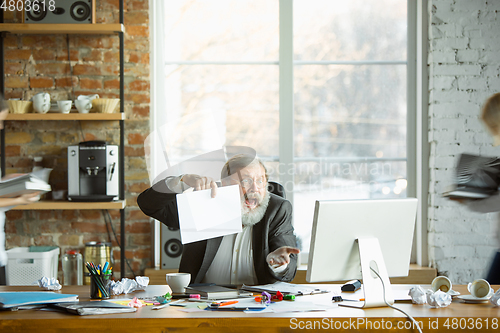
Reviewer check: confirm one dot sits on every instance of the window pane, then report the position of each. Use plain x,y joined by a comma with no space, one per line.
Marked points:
242,102
337,179
349,30
222,30
350,111
349,120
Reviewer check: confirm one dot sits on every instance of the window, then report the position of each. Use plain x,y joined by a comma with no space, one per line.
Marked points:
316,87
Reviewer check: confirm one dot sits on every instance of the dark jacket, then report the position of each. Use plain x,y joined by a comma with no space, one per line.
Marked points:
273,231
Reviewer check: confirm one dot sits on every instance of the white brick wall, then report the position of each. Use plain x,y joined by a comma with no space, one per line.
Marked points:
464,69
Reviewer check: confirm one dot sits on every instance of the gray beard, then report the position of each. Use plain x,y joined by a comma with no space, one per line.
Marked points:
251,217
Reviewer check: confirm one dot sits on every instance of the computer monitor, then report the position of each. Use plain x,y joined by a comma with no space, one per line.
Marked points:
350,238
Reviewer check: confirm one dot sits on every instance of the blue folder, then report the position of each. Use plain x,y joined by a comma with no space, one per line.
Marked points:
13,299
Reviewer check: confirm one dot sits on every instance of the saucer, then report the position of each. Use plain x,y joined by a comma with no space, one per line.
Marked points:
472,299
453,293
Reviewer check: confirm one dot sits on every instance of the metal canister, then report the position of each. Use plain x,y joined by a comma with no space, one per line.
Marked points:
98,253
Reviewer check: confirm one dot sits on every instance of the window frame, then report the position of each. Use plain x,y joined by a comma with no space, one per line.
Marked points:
417,160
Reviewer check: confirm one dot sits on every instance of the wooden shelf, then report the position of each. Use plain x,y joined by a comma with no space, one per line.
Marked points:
61,205
41,28
66,116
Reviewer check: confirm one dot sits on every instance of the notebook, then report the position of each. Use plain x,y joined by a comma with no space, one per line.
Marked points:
213,291
15,299
93,307
477,177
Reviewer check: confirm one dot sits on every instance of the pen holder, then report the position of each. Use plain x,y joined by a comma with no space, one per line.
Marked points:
97,285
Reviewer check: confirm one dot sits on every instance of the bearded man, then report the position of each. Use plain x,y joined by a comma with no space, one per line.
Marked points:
263,252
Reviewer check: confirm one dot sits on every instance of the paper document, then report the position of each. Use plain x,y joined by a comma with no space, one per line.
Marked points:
203,217
286,288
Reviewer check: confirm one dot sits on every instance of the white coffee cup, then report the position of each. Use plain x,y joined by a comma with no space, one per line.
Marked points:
441,283
41,102
178,281
83,105
480,288
64,106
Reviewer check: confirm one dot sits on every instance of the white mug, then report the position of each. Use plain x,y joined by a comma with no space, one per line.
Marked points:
64,106
480,288
83,105
178,281
41,102
441,283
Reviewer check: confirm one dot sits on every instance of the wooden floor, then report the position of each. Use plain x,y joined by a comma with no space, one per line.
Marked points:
417,275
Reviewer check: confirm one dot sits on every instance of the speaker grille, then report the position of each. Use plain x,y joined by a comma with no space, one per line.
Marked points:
173,248
65,11
37,15
80,11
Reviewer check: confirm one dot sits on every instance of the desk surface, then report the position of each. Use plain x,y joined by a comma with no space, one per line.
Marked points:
475,317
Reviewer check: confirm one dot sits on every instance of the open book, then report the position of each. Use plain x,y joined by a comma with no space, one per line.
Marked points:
477,177
17,184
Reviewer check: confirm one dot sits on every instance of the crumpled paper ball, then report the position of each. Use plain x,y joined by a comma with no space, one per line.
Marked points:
418,295
126,286
495,299
438,299
49,283
142,282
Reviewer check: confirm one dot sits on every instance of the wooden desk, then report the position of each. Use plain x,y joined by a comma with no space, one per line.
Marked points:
482,317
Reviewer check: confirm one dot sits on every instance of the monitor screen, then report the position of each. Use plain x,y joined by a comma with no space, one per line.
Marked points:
334,253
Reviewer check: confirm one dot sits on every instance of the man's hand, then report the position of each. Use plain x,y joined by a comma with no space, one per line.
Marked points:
281,255
28,198
200,183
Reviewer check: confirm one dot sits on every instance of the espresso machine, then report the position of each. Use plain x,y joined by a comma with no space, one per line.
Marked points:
93,172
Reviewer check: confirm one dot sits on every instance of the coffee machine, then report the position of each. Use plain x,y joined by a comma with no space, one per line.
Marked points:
93,172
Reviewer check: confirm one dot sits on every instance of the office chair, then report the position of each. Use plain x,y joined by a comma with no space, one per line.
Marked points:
276,188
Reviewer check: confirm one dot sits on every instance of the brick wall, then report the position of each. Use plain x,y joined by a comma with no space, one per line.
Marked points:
464,68
35,63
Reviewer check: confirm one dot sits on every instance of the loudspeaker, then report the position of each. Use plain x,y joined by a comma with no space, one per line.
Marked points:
64,11
171,247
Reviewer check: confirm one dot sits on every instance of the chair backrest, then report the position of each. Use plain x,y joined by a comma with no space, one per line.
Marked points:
276,188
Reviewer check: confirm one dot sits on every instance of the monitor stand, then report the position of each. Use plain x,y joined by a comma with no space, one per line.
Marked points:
371,257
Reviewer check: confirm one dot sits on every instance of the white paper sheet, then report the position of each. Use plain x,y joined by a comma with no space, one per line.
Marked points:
203,217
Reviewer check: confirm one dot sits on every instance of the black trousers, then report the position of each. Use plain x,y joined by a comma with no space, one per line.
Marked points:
3,281
494,273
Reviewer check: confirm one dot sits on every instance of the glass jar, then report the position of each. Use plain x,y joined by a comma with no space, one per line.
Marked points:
72,265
